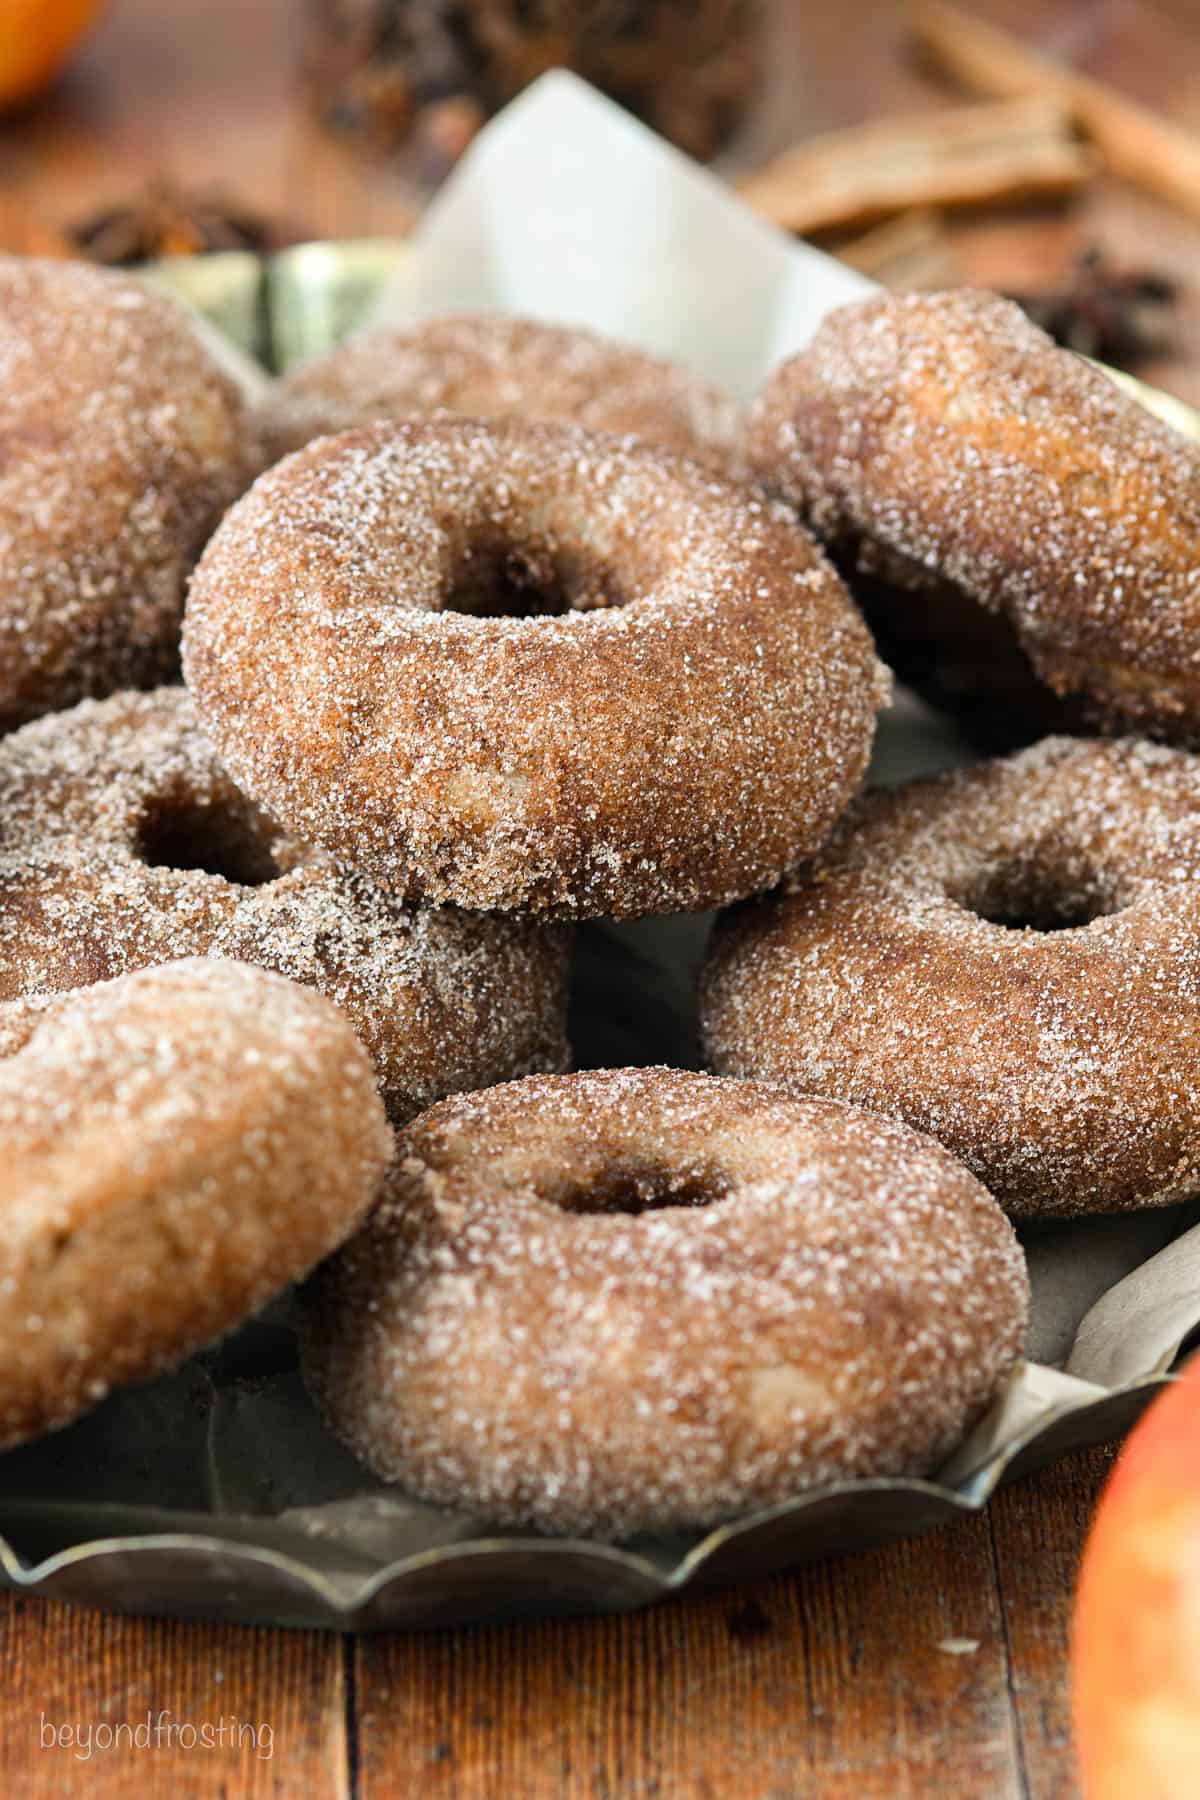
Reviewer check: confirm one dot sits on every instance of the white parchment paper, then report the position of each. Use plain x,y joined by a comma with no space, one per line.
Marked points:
566,208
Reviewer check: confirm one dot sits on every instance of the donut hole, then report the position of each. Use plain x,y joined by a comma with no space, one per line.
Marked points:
504,580
648,1188
1025,897
192,835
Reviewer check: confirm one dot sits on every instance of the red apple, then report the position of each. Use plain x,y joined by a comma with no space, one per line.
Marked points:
1136,1649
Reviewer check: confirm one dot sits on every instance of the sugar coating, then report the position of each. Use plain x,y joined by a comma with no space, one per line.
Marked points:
178,1145
121,444
495,365
944,441
95,801
691,725
1062,1065
639,1300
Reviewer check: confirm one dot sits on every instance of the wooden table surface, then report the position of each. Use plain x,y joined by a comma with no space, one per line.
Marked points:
932,1667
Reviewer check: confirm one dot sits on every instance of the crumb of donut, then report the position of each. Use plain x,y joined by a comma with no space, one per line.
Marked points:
943,438
178,1146
1005,957
494,365
689,723
641,1300
123,443
123,843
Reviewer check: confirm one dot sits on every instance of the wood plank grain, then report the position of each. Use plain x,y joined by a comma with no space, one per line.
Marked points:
203,95
65,1667
1038,1530
874,1677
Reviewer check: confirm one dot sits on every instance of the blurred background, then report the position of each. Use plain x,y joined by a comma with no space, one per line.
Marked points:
1049,148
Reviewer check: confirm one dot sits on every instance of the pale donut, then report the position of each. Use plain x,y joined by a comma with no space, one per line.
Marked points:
494,365
123,843
122,441
640,1300
946,445
178,1146
692,723
1007,957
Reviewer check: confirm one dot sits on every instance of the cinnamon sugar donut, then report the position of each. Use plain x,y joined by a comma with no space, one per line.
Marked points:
943,443
123,843
121,444
691,719
178,1146
639,1300
492,365
1007,957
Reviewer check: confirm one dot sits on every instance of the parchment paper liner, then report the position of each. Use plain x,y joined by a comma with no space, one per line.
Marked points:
217,1493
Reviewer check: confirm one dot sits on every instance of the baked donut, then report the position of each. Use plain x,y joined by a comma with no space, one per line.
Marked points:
178,1146
370,644
123,843
121,444
639,1300
492,365
943,444
1007,957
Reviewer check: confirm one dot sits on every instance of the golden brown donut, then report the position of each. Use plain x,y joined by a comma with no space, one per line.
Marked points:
123,843
493,365
1007,957
121,444
178,1146
944,444
639,1300
513,665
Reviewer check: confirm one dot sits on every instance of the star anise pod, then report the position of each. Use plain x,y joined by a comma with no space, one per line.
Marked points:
170,221
1121,316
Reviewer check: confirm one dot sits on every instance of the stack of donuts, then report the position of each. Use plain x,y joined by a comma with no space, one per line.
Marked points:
329,712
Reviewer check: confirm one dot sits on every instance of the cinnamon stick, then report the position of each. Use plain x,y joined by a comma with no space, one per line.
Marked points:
912,250
1137,144
972,156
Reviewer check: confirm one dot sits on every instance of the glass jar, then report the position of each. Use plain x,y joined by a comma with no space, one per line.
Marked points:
430,72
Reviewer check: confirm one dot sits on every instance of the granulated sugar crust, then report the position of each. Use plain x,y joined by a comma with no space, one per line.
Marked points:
1062,1065
493,365
104,813
943,438
178,1146
640,1300
689,728
123,443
